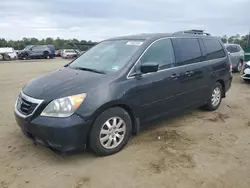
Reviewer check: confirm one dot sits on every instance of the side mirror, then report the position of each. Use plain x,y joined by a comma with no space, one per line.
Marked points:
149,67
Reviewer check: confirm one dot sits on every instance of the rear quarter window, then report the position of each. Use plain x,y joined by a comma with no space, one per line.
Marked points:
239,48
213,48
187,51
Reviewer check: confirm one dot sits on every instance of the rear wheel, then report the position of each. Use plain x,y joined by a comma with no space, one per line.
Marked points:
215,97
46,55
111,131
239,66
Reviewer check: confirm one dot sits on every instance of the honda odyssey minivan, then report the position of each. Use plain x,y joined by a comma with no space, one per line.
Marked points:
110,92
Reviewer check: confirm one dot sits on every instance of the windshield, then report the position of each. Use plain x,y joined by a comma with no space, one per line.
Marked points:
27,47
107,56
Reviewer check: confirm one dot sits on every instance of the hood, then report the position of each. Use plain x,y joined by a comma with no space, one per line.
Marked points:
64,82
23,51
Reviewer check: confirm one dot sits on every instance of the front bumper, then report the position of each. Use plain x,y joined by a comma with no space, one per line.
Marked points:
61,134
246,74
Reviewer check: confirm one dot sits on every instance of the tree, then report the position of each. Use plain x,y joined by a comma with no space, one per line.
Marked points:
58,43
231,39
224,39
86,44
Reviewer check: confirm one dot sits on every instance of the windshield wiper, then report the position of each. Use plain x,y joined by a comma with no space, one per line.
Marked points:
88,69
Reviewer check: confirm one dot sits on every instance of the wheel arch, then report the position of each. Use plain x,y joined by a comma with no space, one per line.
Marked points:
125,106
222,83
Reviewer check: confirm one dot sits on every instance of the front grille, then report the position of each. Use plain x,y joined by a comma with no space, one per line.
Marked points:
25,107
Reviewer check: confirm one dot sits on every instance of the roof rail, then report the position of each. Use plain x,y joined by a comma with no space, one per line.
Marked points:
193,32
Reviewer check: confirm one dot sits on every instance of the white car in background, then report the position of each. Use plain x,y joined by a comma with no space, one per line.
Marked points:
69,53
246,72
10,53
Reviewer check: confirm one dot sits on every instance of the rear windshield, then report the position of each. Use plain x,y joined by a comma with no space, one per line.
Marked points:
108,56
233,48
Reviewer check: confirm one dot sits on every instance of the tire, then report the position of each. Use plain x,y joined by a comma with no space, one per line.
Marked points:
25,57
211,104
108,146
7,58
239,66
46,55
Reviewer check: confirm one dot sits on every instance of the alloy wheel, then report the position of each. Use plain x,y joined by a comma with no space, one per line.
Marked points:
216,96
240,65
112,132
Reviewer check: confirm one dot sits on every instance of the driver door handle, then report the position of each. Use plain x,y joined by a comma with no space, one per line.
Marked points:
189,73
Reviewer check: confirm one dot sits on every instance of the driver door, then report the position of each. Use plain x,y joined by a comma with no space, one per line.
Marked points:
156,92
32,51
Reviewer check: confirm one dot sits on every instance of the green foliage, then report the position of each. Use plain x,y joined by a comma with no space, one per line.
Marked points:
64,44
58,43
224,39
237,39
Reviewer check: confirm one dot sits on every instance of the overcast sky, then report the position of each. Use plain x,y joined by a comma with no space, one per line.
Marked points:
101,19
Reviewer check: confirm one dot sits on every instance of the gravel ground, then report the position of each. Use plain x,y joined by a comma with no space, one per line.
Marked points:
193,150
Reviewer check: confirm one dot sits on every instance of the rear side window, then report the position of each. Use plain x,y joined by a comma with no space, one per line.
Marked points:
38,48
232,49
160,52
187,51
213,49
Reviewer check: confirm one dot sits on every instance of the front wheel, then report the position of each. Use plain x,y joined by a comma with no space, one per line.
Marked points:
215,97
25,57
111,131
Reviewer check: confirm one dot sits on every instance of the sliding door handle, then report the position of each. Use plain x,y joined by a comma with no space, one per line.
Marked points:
175,76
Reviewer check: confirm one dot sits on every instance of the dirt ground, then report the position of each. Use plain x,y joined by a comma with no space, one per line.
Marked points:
196,150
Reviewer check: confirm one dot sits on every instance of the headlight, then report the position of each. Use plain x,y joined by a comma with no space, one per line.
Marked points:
246,66
63,107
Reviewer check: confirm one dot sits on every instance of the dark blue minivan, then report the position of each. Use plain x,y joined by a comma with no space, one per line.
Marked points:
110,92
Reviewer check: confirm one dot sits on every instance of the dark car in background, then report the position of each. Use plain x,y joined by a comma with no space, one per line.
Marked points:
109,92
37,51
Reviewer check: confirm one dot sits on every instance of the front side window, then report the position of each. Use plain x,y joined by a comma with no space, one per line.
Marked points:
213,49
108,56
187,51
27,47
160,52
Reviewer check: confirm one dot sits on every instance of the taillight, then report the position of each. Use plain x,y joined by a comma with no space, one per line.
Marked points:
231,67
